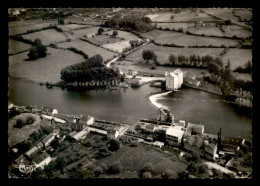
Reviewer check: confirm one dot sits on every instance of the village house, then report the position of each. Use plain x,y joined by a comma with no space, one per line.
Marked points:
150,128
194,144
174,135
46,141
52,119
42,160
30,152
193,82
173,80
194,129
50,111
112,134
163,114
66,118
86,120
210,150
79,135
158,144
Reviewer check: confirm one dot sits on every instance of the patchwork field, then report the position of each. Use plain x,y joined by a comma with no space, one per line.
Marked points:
104,39
17,46
42,69
70,27
16,135
208,30
123,34
164,52
25,26
188,16
234,30
136,158
88,48
171,37
80,20
162,17
47,36
237,57
176,26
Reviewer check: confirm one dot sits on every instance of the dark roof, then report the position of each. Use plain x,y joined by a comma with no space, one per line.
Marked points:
191,140
199,142
48,137
40,158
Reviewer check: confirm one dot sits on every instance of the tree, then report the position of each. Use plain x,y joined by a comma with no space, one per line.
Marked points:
147,55
96,60
55,143
114,145
172,17
37,42
100,31
172,59
33,53
115,168
115,33
19,123
38,50
60,21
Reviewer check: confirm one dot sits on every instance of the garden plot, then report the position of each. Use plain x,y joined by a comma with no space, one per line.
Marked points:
246,15
234,30
122,34
17,46
103,39
194,17
88,48
43,69
47,36
164,52
70,27
117,47
237,57
21,29
175,26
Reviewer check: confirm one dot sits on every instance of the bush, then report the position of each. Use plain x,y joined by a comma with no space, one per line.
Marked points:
19,123
114,145
153,67
115,168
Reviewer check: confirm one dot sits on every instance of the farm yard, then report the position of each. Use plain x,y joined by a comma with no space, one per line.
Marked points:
88,48
47,36
17,46
42,69
136,158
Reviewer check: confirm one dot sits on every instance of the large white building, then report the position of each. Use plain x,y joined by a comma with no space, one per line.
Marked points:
173,80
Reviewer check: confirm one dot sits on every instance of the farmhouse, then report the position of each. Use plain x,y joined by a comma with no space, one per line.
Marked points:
42,160
51,111
173,80
174,135
46,141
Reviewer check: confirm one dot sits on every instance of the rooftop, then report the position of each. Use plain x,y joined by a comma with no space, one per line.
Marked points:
48,137
47,109
173,131
42,157
86,118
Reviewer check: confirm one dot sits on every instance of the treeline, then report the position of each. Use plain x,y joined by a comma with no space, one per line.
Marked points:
246,69
91,69
78,52
140,24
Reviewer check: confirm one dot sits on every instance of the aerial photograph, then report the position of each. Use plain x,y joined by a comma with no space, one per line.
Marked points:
134,93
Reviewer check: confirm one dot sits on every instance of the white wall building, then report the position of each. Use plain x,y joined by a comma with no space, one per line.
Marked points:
173,80
174,135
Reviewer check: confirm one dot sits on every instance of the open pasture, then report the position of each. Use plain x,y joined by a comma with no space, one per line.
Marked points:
17,46
208,30
70,27
237,57
175,26
42,69
161,34
47,36
123,34
88,48
117,47
193,17
82,20
245,14
234,30
223,13
80,33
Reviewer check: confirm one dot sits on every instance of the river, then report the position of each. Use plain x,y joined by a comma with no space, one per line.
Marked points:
129,105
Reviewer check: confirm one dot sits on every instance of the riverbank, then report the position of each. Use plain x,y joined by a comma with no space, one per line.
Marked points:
153,98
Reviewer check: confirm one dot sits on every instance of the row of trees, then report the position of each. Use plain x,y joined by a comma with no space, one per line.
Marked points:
246,69
141,24
91,69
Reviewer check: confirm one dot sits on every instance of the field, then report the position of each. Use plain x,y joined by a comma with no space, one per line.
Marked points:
80,33
70,27
17,46
234,30
88,48
47,36
224,13
171,37
237,57
20,27
188,16
80,20
164,52
16,135
244,14
117,47
133,159
208,30
123,34
162,17
103,39
42,69
176,26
